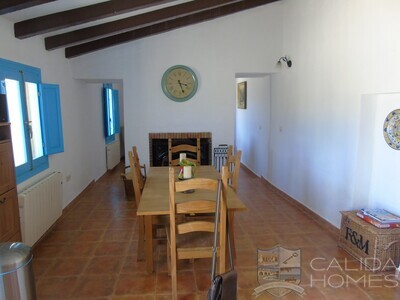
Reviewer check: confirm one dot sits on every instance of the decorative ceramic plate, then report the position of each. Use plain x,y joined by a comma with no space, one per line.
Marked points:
391,129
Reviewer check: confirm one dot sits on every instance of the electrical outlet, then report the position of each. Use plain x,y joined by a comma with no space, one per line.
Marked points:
68,178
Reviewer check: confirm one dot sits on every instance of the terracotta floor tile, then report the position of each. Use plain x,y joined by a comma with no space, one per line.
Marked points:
112,248
94,286
118,235
107,265
40,266
203,279
91,252
89,236
246,258
247,278
132,265
135,284
67,225
91,224
186,282
55,287
48,250
67,267
80,249
163,283
59,237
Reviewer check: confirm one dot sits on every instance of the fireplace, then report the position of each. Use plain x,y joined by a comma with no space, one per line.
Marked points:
158,145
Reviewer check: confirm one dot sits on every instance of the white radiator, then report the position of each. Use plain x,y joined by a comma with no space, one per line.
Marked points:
40,205
113,153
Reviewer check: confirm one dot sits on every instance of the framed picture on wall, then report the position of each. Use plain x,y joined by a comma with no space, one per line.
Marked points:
242,94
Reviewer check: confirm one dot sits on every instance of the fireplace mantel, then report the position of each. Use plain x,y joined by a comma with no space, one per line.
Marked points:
158,145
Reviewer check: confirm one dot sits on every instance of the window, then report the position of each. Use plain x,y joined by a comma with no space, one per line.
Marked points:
111,113
29,113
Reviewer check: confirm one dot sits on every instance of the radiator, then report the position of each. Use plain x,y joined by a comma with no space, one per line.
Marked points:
40,205
220,156
113,153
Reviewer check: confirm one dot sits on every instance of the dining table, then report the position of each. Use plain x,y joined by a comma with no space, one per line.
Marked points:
155,202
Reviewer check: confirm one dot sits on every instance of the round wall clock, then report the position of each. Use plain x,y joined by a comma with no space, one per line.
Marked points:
391,129
179,83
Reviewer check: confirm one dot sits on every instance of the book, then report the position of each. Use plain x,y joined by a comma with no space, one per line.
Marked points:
381,215
377,223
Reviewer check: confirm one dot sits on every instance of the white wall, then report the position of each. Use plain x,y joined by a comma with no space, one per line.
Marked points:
216,50
340,50
79,107
378,165
252,125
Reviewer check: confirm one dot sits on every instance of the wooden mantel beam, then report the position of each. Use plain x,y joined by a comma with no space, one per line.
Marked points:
162,27
61,20
9,6
131,23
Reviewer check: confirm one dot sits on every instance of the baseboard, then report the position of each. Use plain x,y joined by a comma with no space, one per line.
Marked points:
74,201
248,171
317,218
321,221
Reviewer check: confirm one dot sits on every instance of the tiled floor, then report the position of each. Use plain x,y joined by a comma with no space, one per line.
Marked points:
91,252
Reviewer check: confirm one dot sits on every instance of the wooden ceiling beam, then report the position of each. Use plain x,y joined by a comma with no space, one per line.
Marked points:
61,20
9,6
162,27
131,23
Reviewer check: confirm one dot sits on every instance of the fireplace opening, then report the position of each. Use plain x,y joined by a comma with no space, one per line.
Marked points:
159,146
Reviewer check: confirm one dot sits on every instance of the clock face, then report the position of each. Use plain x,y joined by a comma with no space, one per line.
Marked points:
179,83
391,129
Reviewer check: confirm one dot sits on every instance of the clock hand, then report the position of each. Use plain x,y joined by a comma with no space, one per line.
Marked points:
180,84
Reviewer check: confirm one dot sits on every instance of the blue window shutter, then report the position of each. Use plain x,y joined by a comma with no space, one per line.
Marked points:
107,129
116,111
51,116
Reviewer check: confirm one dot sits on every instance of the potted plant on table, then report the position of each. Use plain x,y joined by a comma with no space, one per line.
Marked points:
187,169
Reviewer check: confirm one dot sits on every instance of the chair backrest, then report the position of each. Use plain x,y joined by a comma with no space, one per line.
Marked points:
233,164
201,201
138,166
184,148
135,178
230,151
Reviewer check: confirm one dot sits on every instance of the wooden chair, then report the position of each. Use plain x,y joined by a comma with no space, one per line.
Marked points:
158,222
127,176
233,164
142,176
184,148
192,238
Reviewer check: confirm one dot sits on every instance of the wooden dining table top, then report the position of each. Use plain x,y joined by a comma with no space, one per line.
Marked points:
155,194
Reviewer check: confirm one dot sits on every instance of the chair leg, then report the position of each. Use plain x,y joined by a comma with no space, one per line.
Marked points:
140,249
232,235
174,285
169,258
174,275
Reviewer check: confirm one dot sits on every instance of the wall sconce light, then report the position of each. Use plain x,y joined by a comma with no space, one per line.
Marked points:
286,60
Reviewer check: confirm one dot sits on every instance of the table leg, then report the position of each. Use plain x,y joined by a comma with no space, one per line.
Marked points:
140,248
148,226
231,232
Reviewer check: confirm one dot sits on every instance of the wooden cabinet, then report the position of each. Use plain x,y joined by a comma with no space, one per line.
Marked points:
9,211
7,169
